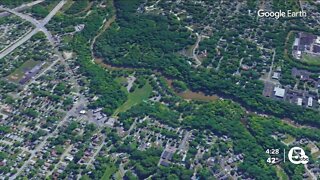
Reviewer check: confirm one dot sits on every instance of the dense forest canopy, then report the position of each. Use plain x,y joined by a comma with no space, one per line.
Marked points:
154,41
140,40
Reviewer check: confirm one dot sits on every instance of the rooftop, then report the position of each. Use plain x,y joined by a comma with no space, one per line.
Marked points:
279,92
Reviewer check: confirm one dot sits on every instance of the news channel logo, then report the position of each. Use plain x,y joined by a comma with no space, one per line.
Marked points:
297,155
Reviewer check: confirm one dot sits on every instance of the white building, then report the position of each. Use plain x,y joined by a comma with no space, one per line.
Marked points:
310,102
299,103
279,92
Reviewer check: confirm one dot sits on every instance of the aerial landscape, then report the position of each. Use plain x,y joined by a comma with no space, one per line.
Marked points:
160,89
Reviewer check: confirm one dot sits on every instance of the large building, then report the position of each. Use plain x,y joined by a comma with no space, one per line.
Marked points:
306,43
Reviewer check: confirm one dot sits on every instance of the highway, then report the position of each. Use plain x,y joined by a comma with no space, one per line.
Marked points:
11,48
23,16
40,26
53,12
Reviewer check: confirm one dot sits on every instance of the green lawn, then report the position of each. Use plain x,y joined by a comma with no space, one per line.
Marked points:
118,176
316,155
17,75
281,174
121,80
111,169
67,39
311,60
134,98
289,139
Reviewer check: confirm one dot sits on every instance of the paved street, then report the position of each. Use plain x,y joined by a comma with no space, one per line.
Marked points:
195,57
268,79
10,49
72,112
92,159
40,26
52,13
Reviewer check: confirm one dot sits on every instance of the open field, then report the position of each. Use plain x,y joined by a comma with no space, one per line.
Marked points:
18,74
67,6
289,139
316,155
311,60
121,80
189,95
109,171
136,97
281,174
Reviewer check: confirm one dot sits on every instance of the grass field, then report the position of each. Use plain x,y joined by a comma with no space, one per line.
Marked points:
121,80
289,139
118,176
197,96
189,51
316,155
111,169
281,174
311,60
134,98
190,95
17,75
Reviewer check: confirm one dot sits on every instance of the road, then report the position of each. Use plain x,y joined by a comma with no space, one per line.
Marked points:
93,157
103,29
301,5
40,26
219,63
268,79
80,102
313,176
22,16
53,12
131,80
133,125
21,8
68,69
182,146
271,67
63,155
11,48
195,57
72,112
26,87
240,64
